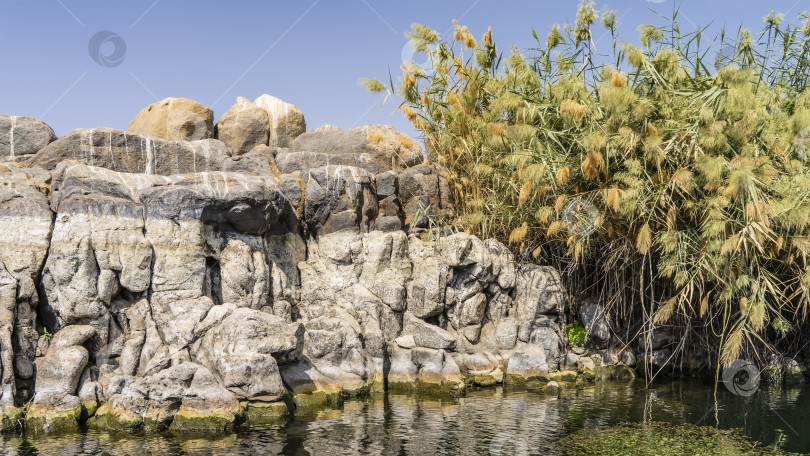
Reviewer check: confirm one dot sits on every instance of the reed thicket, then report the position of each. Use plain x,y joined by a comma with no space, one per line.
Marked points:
669,179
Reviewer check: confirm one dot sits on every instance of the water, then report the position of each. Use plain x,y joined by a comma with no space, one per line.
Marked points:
488,421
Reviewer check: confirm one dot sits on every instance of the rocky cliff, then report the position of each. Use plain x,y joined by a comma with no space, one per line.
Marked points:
192,275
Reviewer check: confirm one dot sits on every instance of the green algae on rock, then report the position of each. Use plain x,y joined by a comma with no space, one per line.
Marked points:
661,439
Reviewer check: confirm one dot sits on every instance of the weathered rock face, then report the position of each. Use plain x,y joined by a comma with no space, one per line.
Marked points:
131,153
21,136
178,283
25,223
174,119
376,148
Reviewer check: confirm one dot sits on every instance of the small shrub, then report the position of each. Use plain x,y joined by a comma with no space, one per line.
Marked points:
576,335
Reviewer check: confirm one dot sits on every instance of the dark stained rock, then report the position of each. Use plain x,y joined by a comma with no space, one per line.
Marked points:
21,136
132,153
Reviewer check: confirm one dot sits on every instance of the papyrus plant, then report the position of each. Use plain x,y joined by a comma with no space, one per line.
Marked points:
694,151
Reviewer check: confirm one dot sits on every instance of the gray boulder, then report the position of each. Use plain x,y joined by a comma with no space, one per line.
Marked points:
131,153
259,161
385,147
427,335
21,136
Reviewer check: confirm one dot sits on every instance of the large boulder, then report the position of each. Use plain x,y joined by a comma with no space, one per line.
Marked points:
286,120
337,198
377,148
427,335
21,136
131,153
527,364
243,351
174,119
243,127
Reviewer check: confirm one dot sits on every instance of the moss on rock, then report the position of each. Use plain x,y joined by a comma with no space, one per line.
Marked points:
484,380
13,418
47,420
263,413
107,420
566,376
195,421
308,401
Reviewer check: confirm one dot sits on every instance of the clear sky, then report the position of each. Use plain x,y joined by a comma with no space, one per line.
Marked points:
307,52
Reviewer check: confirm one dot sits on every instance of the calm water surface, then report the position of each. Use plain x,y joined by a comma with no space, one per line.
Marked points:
489,421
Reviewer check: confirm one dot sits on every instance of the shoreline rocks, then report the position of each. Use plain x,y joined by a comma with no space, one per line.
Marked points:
196,283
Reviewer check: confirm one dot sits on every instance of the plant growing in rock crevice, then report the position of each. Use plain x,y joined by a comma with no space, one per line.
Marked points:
700,174
576,335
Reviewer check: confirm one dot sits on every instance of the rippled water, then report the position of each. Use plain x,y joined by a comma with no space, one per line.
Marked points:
488,421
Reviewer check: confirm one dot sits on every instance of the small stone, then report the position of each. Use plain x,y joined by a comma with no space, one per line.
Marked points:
405,341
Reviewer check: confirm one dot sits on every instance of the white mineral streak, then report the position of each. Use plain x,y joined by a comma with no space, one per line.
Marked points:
11,135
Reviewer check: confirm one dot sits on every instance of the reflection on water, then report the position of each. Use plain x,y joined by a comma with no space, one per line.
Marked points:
490,421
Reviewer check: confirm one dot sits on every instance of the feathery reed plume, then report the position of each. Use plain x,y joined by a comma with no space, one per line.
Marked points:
572,107
487,39
525,193
563,175
519,234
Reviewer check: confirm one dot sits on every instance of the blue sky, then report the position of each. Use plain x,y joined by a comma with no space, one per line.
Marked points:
309,53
